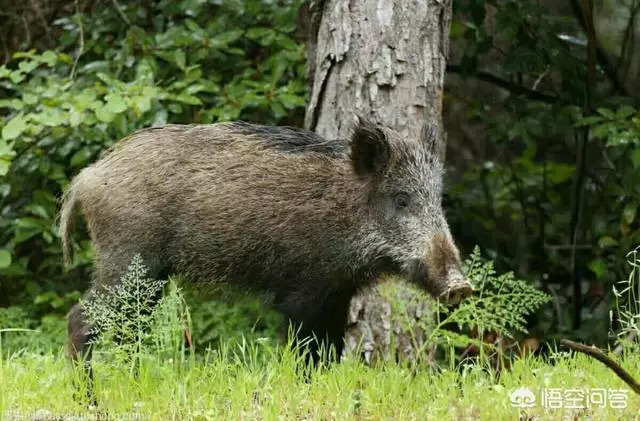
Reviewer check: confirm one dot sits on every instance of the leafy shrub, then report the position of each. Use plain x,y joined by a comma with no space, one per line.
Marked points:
523,145
142,315
501,304
126,312
617,127
22,333
226,316
117,71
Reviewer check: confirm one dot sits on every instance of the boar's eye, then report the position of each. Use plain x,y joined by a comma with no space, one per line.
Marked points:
401,200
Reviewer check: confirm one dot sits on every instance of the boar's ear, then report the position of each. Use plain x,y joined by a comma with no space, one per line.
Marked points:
430,136
370,148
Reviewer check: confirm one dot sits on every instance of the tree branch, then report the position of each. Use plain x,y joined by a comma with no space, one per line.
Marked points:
81,45
594,352
608,67
628,43
118,8
586,11
506,85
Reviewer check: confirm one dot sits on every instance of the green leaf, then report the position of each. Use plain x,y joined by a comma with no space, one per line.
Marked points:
5,164
598,267
5,149
5,259
188,99
607,241
49,57
75,117
559,173
14,103
51,116
24,54
103,114
264,36
115,103
291,101
141,104
27,66
32,223
23,235
602,130
180,59
4,72
84,99
606,113
629,213
16,76
635,157
588,121
175,108
14,127
29,98
226,38
80,158
625,111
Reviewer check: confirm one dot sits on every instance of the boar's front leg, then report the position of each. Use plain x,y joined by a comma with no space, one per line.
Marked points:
321,327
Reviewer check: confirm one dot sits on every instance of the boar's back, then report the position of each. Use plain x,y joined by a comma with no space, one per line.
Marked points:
291,139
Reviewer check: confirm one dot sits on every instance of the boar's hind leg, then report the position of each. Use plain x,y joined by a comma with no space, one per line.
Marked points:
79,347
80,332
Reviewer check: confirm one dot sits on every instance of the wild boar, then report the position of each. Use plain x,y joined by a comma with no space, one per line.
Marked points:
272,209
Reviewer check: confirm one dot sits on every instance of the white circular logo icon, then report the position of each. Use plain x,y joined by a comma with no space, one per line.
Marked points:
523,398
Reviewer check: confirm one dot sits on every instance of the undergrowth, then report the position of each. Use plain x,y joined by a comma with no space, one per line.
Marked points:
627,298
501,304
260,379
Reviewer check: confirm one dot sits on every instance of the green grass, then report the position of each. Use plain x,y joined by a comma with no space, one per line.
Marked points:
262,381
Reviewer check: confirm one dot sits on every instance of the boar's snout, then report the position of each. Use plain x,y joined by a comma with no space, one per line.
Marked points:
440,273
456,293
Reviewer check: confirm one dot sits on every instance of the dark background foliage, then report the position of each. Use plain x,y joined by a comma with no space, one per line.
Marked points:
541,111
545,160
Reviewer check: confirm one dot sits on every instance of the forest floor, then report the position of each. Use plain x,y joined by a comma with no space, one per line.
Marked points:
260,381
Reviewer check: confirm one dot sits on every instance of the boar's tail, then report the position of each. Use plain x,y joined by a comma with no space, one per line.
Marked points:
67,219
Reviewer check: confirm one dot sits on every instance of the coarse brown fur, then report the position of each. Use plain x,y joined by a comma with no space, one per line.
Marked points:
276,210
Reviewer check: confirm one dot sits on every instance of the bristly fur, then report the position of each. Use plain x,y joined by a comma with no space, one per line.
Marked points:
274,209
290,139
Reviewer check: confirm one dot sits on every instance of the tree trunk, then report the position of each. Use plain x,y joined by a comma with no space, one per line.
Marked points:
385,60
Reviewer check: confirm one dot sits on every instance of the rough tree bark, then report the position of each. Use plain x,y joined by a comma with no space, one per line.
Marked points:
386,60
